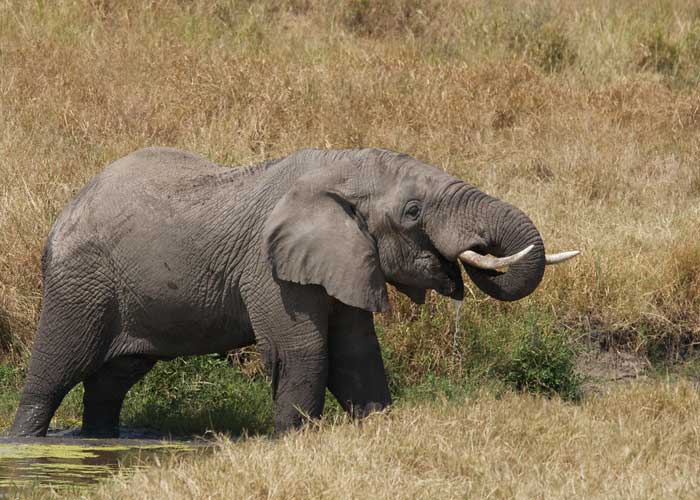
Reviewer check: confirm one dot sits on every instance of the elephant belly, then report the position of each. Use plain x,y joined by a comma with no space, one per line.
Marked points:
187,338
172,325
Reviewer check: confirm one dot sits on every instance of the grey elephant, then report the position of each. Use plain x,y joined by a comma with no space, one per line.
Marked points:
165,254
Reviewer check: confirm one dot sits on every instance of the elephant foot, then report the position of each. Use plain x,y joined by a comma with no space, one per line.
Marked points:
101,419
99,433
32,419
363,410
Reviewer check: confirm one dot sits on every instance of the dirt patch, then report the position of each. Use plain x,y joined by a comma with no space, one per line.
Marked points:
602,368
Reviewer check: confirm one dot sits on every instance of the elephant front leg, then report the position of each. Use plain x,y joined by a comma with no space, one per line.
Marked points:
356,373
299,379
291,333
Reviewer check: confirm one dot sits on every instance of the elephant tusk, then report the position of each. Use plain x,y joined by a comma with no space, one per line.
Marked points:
558,258
489,261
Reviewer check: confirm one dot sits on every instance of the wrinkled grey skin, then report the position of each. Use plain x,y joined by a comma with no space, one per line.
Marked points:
166,254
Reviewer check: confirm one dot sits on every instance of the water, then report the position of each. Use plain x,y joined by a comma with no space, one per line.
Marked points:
61,461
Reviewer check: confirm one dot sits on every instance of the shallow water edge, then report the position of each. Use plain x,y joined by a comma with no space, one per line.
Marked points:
62,460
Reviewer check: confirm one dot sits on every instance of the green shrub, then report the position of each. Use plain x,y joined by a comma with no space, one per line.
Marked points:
544,363
519,346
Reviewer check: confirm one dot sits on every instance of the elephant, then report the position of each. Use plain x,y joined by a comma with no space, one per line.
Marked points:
165,254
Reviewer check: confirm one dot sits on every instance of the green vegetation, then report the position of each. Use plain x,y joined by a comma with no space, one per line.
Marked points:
183,397
192,396
522,350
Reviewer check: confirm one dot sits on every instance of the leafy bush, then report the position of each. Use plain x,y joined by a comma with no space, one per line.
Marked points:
518,346
542,363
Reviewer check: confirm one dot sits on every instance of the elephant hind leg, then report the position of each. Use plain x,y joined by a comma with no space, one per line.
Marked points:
48,381
71,342
105,391
35,412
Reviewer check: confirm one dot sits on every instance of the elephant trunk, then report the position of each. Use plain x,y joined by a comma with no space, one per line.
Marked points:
473,221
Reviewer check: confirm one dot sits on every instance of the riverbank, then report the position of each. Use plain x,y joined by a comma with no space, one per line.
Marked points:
634,437
637,440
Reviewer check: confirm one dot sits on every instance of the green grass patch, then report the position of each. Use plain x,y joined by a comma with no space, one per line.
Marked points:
199,394
10,384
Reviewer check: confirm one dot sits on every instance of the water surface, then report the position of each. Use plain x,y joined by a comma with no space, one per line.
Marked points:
61,460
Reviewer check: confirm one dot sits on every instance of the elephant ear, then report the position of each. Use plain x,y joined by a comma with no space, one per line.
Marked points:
315,236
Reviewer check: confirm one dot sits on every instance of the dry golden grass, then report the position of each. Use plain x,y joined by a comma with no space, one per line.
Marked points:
585,114
640,441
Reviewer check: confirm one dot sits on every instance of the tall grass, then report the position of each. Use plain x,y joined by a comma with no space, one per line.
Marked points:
584,114
638,442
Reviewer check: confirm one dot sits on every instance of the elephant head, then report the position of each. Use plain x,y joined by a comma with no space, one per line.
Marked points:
363,218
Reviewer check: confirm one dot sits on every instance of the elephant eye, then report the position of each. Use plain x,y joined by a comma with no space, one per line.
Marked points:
412,211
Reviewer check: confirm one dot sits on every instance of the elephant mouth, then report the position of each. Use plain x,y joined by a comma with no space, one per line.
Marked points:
452,284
